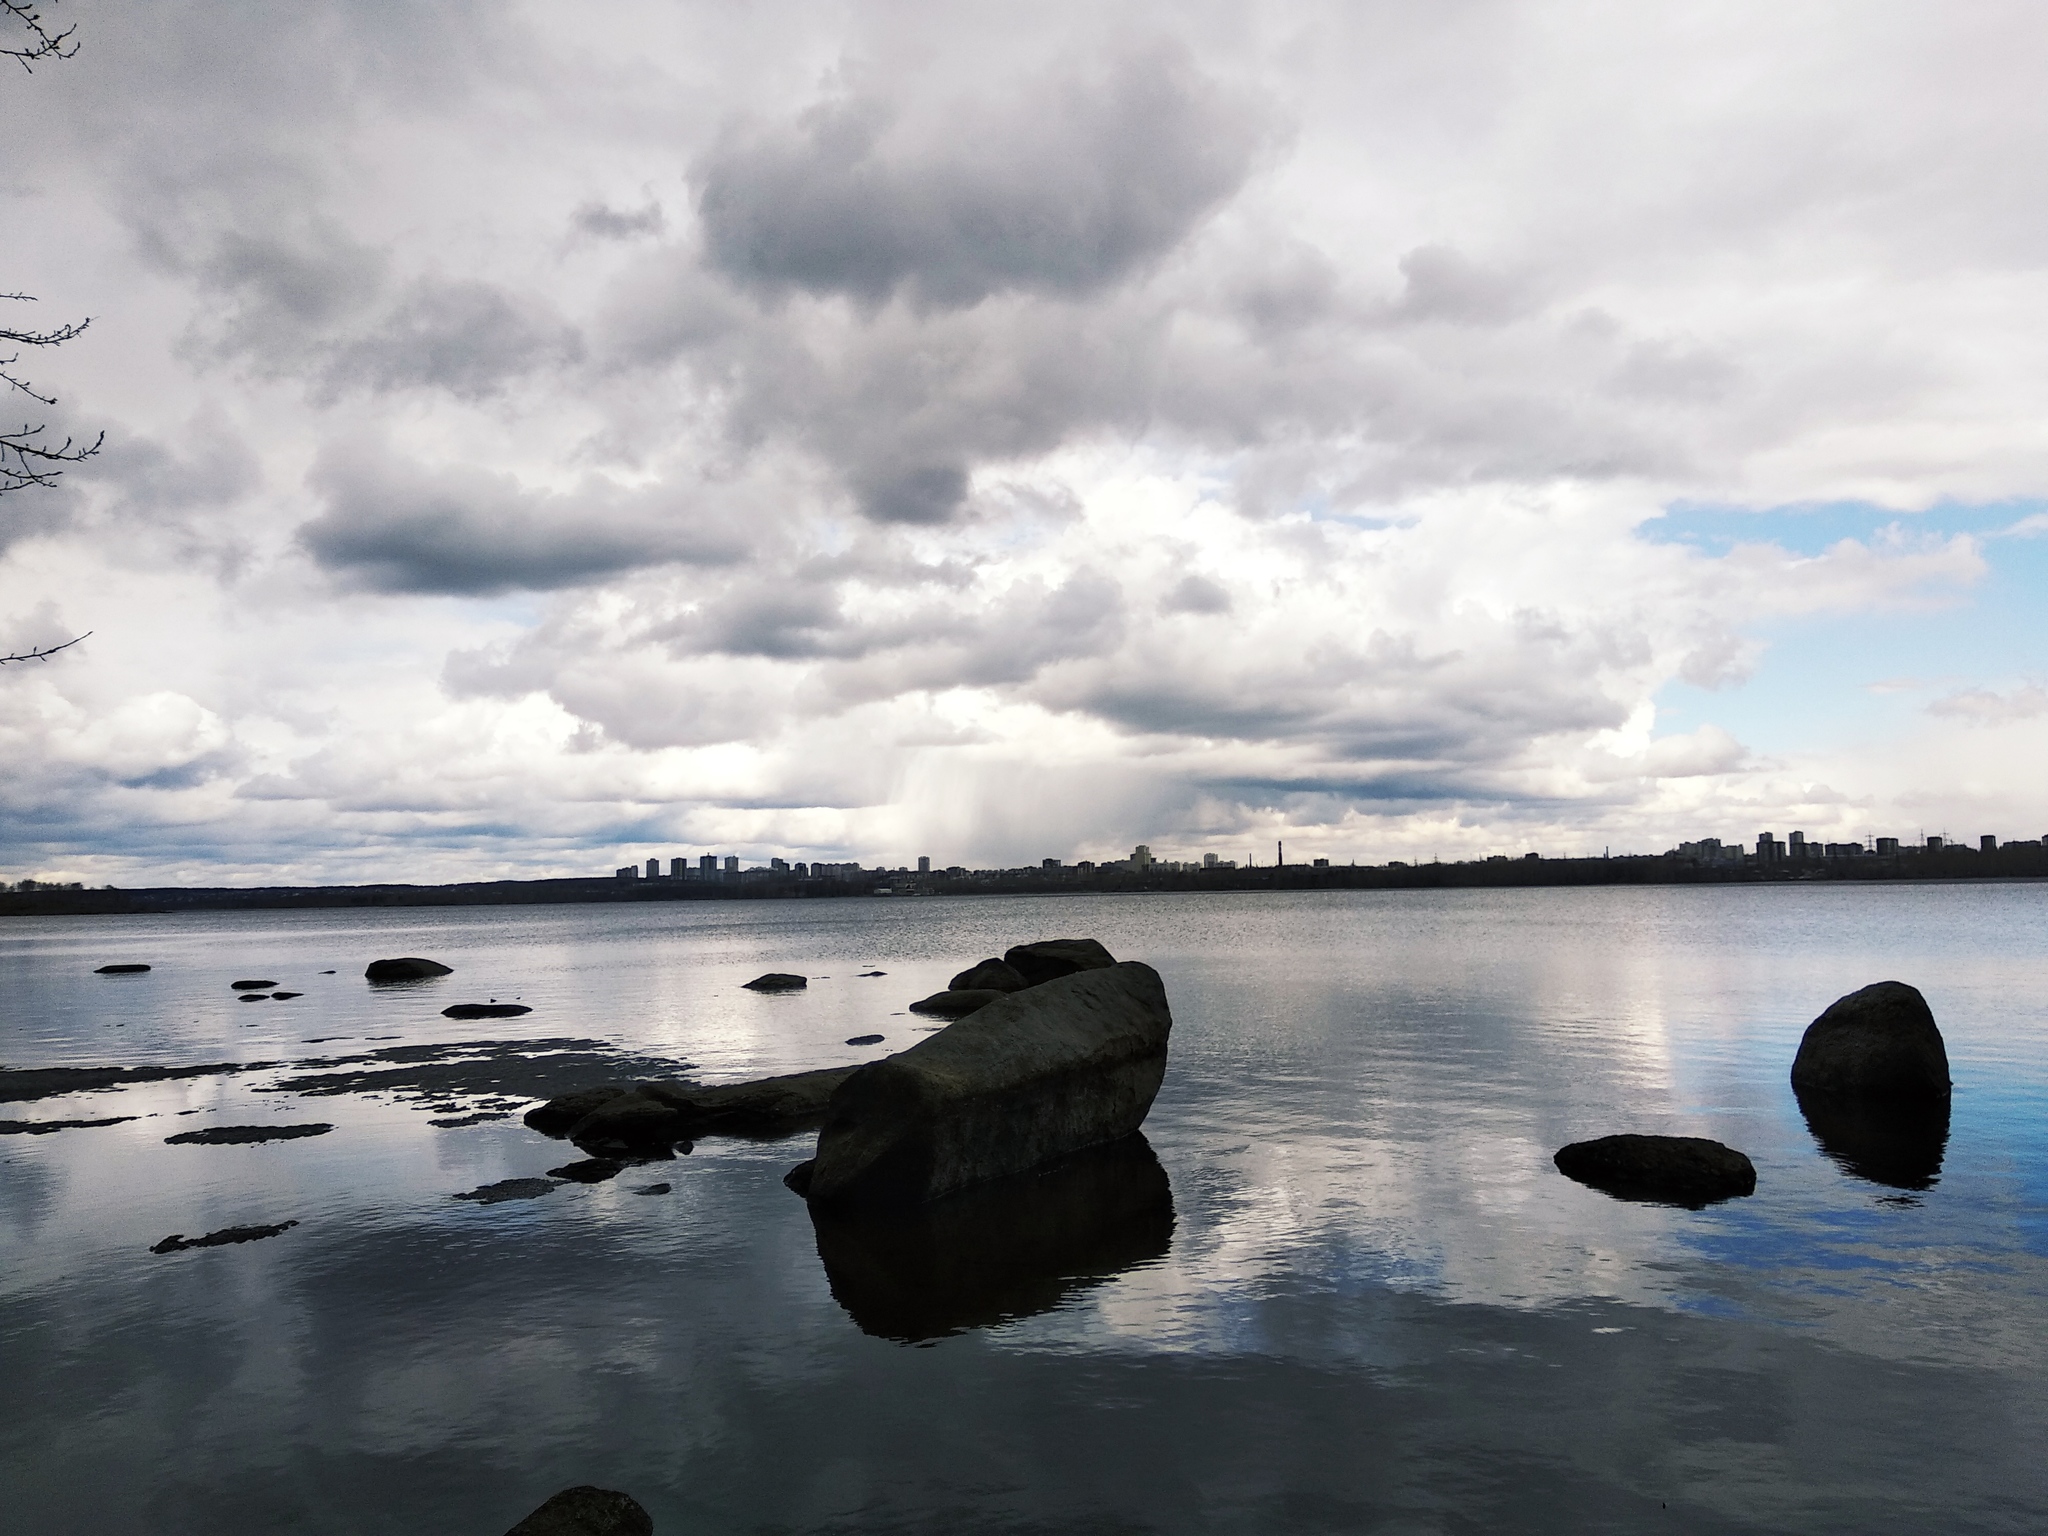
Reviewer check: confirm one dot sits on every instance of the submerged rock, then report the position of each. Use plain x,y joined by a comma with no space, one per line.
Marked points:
651,1189
777,981
254,997
1007,1249
177,1242
1050,959
1878,1043
250,986
1672,1170
485,1011
956,1003
592,1170
126,968
989,976
406,968
865,1039
509,1189
285,996
1034,1076
45,1127
237,1135
587,1511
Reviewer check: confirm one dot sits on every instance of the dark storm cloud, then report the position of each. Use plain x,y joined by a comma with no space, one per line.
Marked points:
1067,188
393,527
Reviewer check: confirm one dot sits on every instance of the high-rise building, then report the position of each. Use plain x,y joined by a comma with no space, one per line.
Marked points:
630,872
924,864
708,863
1795,845
654,869
1934,845
732,866
1887,845
1987,843
780,866
678,869
1769,849
1141,857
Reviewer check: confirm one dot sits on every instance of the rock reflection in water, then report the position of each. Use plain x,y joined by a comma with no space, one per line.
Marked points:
1002,1251
1887,1142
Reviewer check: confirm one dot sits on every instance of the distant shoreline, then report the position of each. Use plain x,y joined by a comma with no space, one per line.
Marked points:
1947,865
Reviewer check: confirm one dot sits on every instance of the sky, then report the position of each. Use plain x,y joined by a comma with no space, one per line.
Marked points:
539,438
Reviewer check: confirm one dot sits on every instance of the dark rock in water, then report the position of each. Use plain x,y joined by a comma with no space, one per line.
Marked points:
555,1117
236,1135
485,1011
1050,959
285,996
178,1241
873,973
327,973
989,976
652,1189
1672,1170
1879,1043
798,1179
120,970
866,1039
249,986
632,1124
592,1170
777,981
1034,1076
457,1121
509,1189
44,1127
955,1004
1003,1250
767,1107
1887,1141
255,997
406,968
586,1511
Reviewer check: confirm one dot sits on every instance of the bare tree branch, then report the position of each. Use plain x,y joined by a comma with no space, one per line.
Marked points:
41,43
43,653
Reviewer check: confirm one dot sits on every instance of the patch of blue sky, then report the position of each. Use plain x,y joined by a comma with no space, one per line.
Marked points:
1833,680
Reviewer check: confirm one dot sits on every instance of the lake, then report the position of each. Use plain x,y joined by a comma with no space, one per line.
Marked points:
1352,1294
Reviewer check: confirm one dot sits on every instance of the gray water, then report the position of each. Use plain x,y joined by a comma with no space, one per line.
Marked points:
1375,1307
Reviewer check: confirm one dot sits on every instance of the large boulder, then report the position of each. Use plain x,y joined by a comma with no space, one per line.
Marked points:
1006,1249
587,1511
989,976
955,1003
1034,1076
1877,1043
1050,959
406,968
1672,1170
777,981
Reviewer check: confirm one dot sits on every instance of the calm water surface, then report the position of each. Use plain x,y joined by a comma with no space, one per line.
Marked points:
1375,1307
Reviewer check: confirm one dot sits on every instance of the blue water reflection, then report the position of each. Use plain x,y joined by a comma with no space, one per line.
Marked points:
1372,1303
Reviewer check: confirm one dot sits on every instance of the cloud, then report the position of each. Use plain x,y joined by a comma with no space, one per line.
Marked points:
608,223
394,526
1984,706
1071,184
